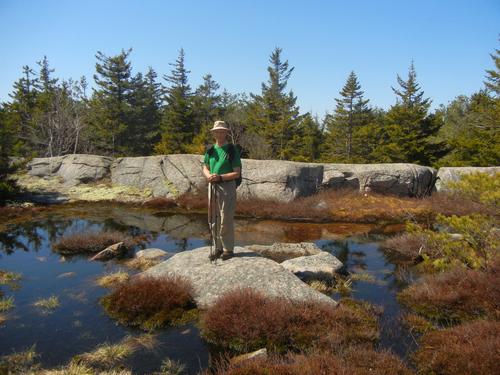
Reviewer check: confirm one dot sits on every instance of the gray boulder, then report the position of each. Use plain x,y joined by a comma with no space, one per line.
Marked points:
401,179
81,169
44,167
279,180
74,169
321,265
453,174
284,181
166,175
245,270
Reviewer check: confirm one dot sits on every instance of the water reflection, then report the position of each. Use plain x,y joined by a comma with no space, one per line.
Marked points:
80,324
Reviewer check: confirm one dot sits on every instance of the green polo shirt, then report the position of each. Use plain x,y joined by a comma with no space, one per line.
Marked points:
218,163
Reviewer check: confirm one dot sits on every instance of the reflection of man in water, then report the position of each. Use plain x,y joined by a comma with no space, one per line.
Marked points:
222,166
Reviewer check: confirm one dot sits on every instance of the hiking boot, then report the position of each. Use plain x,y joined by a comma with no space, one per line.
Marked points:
227,255
215,255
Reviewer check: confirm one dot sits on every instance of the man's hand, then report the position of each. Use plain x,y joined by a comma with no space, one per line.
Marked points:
214,178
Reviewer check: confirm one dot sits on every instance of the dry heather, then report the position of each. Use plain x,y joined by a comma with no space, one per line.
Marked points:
245,320
149,302
471,348
456,295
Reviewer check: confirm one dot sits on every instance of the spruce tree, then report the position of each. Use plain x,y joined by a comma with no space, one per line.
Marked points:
143,131
274,114
351,113
307,140
206,109
409,130
110,104
471,131
21,111
493,76
177,130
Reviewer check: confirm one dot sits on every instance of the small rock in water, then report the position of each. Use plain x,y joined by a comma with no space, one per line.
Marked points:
151,253
67,274
110,252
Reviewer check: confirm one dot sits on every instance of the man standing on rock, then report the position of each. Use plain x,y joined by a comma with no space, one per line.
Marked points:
222,166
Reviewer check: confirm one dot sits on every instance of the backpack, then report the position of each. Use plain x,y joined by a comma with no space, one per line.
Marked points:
230,156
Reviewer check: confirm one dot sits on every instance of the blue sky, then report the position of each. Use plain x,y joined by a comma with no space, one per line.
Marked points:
449,42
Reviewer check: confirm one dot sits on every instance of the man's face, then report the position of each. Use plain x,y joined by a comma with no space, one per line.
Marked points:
220,134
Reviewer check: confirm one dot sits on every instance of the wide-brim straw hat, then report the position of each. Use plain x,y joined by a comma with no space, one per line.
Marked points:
219,125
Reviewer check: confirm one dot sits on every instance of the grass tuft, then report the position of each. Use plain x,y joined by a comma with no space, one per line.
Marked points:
6,304
113,279
47,304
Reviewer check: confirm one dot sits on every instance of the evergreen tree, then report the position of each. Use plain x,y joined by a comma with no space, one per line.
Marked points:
351,113
206,109
307,141
409,129
7,140
47,83
471,131
143,131
20,112
110,104
177,130
493,76
274,114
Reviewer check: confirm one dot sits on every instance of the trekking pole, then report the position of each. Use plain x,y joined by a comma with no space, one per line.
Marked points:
210,218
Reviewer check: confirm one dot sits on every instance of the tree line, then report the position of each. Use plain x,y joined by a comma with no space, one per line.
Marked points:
140,114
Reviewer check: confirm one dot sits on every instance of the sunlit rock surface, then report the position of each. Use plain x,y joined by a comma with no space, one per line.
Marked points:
245,270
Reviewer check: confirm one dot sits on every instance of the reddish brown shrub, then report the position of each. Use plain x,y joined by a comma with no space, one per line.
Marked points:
91,242
370,362
450,204
347,206
245,320
355,361
193,201
160,202
456,295
471,348
405,247
149,302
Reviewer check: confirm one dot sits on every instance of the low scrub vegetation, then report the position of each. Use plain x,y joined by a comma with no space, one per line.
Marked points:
149,302
353,361
470,241
245,320
471,348
477,187
457,295
92,242
350,206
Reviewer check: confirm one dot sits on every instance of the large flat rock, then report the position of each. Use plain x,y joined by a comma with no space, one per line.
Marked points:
73,169
320,265
284,181
245,270
402,179
165,175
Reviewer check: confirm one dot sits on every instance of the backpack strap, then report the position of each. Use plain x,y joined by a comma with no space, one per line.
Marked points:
210,150
231,151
